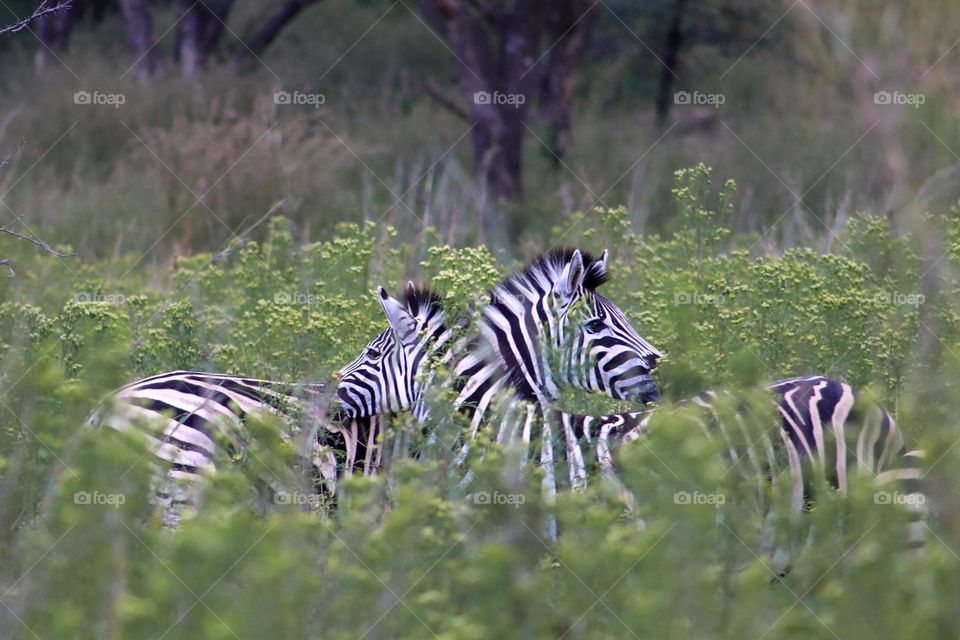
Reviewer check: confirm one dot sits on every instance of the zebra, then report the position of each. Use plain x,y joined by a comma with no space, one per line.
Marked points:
551,306
545,327
815,411
189,419
383,378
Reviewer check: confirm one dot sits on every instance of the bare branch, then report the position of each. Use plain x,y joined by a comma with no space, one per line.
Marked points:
8,262
42,10
6,160
254,45
446,101
40,243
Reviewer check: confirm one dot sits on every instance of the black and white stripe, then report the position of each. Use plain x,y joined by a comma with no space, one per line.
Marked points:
545,328
191,421
383,378
823,436
820,438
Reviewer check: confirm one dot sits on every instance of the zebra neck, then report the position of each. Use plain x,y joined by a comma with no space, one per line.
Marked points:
439,352
507,353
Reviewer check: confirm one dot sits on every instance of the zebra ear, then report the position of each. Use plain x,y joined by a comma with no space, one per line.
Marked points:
572,276
398,317
597,272
411,296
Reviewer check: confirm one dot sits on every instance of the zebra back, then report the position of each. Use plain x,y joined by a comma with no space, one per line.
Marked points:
190,421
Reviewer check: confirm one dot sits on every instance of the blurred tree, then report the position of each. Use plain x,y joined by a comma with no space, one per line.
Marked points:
201,25
270,27
200,29
569,25
505,52
136,15
54,31
671,58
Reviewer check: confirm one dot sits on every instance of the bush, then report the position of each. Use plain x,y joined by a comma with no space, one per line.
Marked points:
411,555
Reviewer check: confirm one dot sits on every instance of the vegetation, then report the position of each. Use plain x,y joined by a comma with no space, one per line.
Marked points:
81,558
222,186
798,129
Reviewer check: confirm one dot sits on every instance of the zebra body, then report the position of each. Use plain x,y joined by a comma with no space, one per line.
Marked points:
817,435
509,356
544,328
192,420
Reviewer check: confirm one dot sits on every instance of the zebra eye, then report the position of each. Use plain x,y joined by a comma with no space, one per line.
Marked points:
596,325
373,353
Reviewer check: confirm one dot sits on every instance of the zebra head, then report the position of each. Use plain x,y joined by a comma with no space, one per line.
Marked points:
384,378
602,351
553,306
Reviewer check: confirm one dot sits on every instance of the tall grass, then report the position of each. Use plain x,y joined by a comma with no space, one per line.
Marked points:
799,131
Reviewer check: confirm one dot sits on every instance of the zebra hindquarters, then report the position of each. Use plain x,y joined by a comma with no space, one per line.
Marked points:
186,445
177,454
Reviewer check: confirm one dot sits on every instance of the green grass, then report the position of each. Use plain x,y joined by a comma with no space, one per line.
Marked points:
799,122
413,557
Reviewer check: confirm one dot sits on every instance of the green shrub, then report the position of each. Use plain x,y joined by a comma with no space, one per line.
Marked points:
411,554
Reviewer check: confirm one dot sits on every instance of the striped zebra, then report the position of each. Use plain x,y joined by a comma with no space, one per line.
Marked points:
190,420
549,308
384,377
816,413
544,328
824,438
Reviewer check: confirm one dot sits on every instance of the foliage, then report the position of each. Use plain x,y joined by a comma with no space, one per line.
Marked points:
412,556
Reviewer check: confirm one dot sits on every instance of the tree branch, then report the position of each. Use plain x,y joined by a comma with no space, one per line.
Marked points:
41,11
8,262
40,243
446,101
259,41
9,156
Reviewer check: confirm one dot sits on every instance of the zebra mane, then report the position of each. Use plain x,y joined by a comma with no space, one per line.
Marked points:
544,270
420,299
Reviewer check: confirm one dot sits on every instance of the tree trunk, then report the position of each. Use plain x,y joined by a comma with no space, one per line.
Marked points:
136,15
201,26
498,51
54,34
271,28
671,58
498,155
570,24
